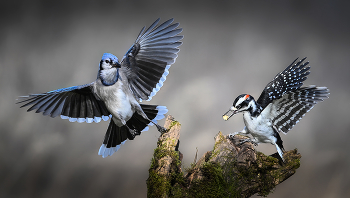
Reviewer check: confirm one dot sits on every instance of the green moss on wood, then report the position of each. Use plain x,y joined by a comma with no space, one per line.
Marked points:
173,123
216,150
158,185
213,183
227,180
170,185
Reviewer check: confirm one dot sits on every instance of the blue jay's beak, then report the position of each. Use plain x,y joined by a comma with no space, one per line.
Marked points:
117,65
226,116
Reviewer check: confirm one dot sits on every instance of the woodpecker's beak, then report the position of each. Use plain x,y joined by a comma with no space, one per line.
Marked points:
233,111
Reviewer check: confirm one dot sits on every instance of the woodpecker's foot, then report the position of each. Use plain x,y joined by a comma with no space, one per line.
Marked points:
248,140
231,135
161,129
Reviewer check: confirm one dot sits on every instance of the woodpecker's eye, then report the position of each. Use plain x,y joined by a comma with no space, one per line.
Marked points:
238,106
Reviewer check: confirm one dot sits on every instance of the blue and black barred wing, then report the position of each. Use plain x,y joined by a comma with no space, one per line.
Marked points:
287,111
147,62
76,103
288,80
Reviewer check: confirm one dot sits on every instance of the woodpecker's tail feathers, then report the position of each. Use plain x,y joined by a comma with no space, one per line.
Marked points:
280,151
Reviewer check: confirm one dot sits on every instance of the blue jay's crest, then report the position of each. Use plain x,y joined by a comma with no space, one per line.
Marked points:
107,56
145,67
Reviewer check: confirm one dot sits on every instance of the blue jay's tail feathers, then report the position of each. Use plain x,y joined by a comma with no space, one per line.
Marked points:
116,136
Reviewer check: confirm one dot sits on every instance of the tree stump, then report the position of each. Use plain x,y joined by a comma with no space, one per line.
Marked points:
229,170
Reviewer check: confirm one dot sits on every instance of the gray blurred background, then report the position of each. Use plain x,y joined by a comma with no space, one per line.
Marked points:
229,48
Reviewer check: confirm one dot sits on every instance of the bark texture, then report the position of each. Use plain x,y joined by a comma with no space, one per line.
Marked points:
229,170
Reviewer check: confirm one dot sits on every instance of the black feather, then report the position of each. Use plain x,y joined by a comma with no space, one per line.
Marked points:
73,102
152,51
289,79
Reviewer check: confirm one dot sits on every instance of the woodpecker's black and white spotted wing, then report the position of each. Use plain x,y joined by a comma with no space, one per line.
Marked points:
147,62
288,80
76,103
285,112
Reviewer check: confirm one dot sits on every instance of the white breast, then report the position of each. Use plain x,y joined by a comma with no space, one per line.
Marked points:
117,101
259,127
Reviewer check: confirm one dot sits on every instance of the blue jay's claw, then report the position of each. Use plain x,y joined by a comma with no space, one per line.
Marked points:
161,129
134,133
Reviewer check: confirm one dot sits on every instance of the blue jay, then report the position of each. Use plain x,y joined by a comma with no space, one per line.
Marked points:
280,106
119,88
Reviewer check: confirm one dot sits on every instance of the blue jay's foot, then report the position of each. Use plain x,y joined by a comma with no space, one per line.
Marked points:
161,129
248,140
134,133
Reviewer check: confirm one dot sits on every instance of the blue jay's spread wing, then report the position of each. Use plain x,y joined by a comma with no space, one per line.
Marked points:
290,79
76,103
291,107
147,62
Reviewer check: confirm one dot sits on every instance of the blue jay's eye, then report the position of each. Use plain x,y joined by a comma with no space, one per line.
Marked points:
107,61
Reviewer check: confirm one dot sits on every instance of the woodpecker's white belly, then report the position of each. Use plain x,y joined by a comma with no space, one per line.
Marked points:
259,127
117,101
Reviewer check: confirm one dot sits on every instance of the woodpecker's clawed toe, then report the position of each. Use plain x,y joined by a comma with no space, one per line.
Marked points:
231,136
248,140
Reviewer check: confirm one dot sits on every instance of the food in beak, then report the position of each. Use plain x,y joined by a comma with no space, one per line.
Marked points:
225,117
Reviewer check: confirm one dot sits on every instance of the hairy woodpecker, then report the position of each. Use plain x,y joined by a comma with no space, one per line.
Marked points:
280,106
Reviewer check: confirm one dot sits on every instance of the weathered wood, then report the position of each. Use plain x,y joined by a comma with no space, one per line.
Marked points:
165,172
229,170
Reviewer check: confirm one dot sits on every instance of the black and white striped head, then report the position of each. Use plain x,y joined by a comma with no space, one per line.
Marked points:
109,69
243,102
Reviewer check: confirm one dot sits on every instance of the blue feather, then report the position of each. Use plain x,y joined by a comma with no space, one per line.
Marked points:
68,89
